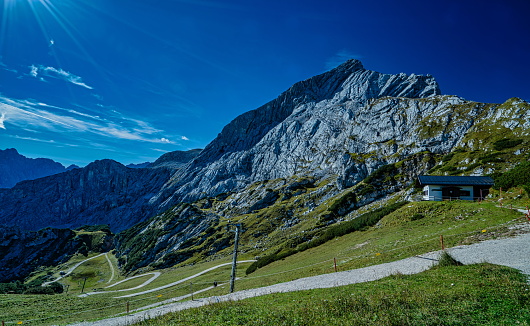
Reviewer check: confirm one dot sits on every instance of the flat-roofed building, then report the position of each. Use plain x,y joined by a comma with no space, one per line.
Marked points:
438,188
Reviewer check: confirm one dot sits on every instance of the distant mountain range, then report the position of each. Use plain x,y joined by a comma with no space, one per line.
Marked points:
15,167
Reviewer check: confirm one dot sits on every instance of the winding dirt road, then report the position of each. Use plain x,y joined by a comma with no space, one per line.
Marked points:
513,252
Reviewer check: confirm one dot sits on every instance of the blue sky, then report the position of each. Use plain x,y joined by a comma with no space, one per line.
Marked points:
129,80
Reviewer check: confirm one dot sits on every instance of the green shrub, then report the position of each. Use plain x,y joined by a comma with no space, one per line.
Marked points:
517,176
448,157
506,143
491,158
447,260
381,173
344,204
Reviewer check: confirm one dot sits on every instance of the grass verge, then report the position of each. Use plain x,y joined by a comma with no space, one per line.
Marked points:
481,294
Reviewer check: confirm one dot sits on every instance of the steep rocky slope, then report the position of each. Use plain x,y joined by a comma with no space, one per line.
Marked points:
344,123
23,251
104,192
15,168
323,149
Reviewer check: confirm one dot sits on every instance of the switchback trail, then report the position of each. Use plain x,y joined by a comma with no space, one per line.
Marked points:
512,252
73,268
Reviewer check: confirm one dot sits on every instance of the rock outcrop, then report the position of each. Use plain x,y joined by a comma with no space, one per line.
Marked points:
22,251
176,159
345,123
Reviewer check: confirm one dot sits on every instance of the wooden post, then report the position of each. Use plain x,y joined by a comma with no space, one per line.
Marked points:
191,290
3,324
83,288
442,242
335,263
128,307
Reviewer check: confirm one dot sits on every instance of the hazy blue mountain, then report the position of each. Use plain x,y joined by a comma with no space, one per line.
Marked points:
15,167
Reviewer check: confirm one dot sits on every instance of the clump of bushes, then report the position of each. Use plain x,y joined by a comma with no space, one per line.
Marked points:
506,143
343,204
447,260
517,176
33,287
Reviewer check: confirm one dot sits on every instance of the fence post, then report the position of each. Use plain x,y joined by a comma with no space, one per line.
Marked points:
127,306
83,289
191,290
442,242
335,263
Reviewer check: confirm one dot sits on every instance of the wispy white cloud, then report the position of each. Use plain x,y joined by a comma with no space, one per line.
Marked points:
160,150
2,119
5,67
51,141
28,115
341,57
184,138
58,74
34,71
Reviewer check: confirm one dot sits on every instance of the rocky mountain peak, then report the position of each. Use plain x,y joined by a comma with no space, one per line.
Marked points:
251,147
15,167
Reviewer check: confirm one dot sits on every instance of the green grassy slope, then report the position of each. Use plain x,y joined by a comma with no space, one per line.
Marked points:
397,235
481,294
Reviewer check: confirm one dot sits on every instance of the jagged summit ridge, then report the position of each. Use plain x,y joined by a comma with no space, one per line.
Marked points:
260,144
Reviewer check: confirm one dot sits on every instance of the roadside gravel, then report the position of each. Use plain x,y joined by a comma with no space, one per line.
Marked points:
513,252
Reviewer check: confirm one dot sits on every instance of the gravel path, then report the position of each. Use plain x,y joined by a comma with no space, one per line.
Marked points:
72,269
513,252
154,277
111,268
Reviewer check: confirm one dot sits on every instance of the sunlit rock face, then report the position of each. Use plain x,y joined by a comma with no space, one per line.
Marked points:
310,128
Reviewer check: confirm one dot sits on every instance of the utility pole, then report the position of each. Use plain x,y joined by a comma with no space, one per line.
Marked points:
234,260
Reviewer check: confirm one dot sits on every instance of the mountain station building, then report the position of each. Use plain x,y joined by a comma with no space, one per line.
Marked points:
437,188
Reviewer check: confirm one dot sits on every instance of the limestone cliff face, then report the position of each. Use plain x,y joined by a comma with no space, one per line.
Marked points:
344,123
300,130
104,192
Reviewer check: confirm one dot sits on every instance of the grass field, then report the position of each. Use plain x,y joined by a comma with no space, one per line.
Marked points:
401,234
481,294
